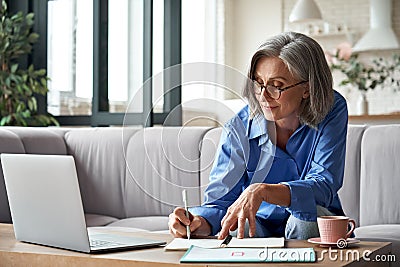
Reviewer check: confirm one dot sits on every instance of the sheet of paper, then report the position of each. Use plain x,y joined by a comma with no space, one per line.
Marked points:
197,254
184,244
271,242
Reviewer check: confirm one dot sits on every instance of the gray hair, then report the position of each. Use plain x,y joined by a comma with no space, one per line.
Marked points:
306,61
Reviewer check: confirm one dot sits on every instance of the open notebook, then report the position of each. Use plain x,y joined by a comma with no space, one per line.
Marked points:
184,244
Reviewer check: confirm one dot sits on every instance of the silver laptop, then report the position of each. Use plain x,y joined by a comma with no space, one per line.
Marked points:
46,205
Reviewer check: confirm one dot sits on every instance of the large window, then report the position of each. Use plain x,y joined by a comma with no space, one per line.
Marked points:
70,57
101,56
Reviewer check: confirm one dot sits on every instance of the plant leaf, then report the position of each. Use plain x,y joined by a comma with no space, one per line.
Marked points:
14,68
5,120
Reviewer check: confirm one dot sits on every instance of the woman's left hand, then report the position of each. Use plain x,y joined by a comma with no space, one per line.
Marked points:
245,207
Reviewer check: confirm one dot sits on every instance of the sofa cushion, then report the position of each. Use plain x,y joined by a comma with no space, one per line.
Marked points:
379,176
350,192
98,220
150,223
208,149
161,162
100,162
41,140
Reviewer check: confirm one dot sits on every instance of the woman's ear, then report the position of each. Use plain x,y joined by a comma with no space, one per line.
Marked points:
306,92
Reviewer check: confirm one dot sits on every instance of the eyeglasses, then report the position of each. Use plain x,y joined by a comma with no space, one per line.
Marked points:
273,91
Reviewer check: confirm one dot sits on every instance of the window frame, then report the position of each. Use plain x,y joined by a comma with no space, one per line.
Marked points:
100,108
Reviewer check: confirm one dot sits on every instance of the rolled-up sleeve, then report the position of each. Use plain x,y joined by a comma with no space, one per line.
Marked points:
319,185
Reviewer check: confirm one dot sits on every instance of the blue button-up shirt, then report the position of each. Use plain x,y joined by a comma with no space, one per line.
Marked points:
312,166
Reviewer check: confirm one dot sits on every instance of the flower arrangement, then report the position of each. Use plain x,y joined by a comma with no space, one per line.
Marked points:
364,76
390,70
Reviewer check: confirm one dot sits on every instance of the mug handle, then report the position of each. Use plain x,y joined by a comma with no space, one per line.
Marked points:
353,226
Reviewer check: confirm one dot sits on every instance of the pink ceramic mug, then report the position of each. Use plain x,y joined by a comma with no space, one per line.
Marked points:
333,228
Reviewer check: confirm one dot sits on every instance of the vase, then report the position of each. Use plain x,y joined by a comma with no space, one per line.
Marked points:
362,104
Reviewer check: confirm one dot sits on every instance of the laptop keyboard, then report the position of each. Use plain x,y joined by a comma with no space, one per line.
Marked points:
94,243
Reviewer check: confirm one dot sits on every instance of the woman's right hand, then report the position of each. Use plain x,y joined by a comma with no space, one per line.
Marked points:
178,221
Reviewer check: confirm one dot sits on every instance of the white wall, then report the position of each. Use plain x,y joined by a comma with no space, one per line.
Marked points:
247,24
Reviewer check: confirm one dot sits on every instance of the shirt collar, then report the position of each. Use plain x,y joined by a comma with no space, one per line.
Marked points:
257,127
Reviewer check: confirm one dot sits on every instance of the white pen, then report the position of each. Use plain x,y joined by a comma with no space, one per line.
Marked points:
184,196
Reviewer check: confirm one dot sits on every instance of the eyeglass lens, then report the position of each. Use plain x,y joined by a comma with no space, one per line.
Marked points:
271,90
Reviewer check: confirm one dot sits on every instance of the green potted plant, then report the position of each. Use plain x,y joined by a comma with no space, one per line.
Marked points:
18,86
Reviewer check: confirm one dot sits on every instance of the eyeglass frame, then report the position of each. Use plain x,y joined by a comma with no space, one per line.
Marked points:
264,87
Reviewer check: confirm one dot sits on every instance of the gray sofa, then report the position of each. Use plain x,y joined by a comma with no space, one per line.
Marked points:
133,177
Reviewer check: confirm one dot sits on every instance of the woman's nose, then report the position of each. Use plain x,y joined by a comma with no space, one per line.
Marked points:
265,96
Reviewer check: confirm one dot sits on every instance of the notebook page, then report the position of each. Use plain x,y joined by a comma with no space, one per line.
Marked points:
184,244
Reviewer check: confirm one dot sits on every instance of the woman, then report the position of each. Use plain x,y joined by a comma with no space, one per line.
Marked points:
280,161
